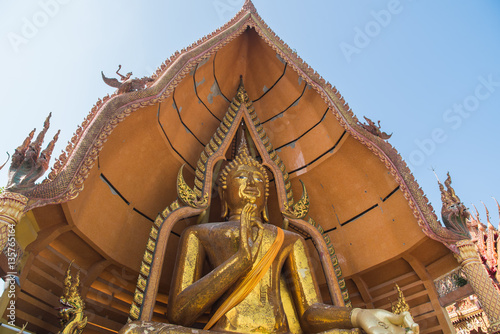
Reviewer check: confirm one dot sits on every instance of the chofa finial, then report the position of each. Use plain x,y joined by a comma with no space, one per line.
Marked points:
374,129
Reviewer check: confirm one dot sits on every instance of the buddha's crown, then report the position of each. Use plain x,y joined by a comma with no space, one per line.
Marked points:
243,157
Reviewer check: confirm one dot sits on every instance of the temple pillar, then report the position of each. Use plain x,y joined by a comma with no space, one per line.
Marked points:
11,210
480,282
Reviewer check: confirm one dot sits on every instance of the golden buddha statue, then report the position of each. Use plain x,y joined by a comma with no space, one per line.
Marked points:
261,278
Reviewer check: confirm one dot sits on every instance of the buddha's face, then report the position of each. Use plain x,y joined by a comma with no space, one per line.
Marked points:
245,184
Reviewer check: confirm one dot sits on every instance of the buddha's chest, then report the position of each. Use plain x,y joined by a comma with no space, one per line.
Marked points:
223,243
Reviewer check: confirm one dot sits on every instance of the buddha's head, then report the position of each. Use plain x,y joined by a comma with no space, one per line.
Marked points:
244,180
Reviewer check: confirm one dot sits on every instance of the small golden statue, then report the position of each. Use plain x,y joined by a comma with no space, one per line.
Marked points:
401,305
73,319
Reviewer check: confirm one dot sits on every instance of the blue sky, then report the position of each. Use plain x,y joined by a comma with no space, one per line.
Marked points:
429,71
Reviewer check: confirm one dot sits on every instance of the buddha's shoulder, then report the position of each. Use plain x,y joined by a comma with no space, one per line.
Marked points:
230,227
292,236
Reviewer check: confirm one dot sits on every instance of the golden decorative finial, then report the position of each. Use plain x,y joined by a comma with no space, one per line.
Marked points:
186,194
71,314
242,95
299,209
243,147
401,305
67,280
487,214
498,206
476,215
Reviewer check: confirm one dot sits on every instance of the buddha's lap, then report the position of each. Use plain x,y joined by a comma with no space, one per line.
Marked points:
137,327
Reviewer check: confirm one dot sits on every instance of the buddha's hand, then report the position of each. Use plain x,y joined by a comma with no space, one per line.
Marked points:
249,240
376,321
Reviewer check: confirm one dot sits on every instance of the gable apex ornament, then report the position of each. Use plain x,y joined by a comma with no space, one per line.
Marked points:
249,6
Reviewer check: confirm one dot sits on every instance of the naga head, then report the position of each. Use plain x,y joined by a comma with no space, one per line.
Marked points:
244,180
453,212
29,161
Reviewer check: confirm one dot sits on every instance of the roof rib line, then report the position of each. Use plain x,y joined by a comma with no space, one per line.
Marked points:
302,135
116,192
280,113
359,215
143,214
321,155
168,139
217,82
196,92
390,194
105,180
182,122
332,229
274,84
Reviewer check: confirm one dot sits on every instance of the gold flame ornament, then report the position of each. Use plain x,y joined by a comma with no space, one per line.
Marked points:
401,305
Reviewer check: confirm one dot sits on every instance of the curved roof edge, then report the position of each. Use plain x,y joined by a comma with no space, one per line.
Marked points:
73,166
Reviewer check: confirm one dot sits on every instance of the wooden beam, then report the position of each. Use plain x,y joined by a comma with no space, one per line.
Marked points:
49,264
425,311
65,260
93,273
52,279
394,292
97,328
37,303
116,289
458,294
421,271
96,294
431,330
112,275
104,322
363,290
161,297
392,281
97,306
408,298
40,292
26,268
46,236
36,321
